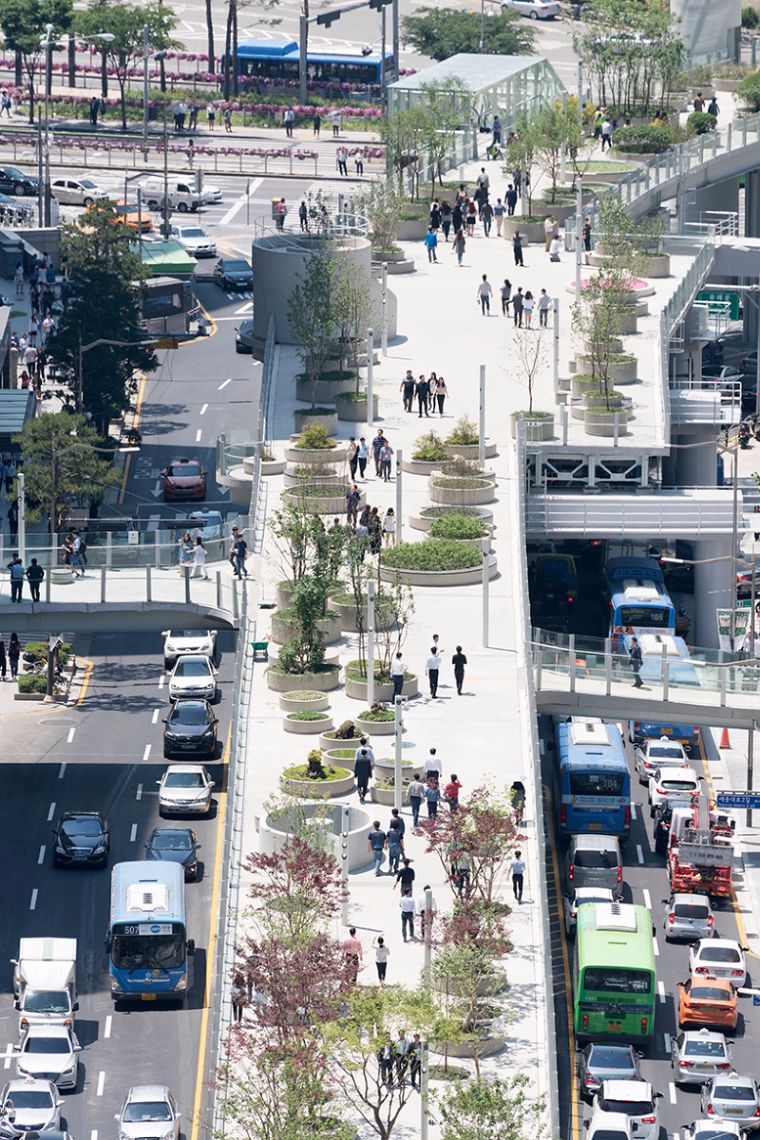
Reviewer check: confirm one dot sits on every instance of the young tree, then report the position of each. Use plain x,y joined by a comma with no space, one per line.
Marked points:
442,103
557,132
463,971
522,153
63,465
312,316
403,134
439,33
532,356
298,890
352,311
24,26
493,1107
382,206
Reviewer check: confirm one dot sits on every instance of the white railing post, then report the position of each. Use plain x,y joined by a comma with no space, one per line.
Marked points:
103,579
482,417
398,728
148,585
665,674
486,599
399,493
571,651
607,666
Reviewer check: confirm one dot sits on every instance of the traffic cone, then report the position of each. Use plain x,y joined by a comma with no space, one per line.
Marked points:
725,741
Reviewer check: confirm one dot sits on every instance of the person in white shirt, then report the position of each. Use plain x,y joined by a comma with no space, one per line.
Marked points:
382,954
434,767
484,295
548,232
416,792
407,907
432,665
397,674
517,869
554,249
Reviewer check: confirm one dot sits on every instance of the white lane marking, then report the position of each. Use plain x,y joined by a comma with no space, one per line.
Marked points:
146,753
107,1026
224,384
133,837
33,900
62,769
156,486
666,1042
247,308
198,435
672,1093
138,795
639,853
70,737
655,947
8,1056
634,812
101,1082
162,680
647,899
155,716
661,991
41,856
237,206
204,409
94,1134
51,812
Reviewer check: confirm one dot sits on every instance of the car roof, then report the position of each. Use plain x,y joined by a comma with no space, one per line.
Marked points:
592,893
597,842
633,1089
148,1092
711,980
671,772
610,1045
704,1034
716,943
611,1120
184,768
734,1078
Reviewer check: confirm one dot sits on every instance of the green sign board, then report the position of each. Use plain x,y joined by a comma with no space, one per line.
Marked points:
725,296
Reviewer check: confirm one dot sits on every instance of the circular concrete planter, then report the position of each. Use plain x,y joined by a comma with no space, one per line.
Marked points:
411,229
386,770
470,577
347,615
422,466
536,430
277,826
270,466
322,682
29,696
289,703
619,372
325,501
356,411
329,743
305,418
325,391
307,727
603,423
547,210
482,1047
284,594
331,652
656,265
376,727
306,455
465,496
293,481
60,575
387,796
531,232
313,788
383,692
424,522
471,450
282,630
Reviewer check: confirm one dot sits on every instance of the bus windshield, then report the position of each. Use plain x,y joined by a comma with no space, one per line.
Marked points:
154,951
617,980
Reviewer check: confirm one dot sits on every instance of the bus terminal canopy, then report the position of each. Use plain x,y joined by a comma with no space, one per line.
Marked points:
510,85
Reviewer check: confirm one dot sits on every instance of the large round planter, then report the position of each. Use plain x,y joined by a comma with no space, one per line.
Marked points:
311,788
560,212
322,682
603,424
347,615
270,466
531,232
536,431
387,796
281,629
314,704
326,743
386,770
483,1047
376,727
319,504
279,824
422,522
411,229
356,411
284,594
324,391
293,480
656,265
462,495
306,455
307,727
422,466
383,691
472,576
471,450
330,756
305,418
628,321
618,372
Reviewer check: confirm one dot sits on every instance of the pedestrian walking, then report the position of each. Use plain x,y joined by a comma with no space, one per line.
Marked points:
422,392
486,217
499,211
389,527
316,124
14,652
712,107
19,279
634,657
289,119
431,244
699,103
186,553
231,552
199,560
364,763
445,212
528,306
94,110
3,665
606,133
34,576
517,178
587,234
517,869
359,163
432,667
471,218
385,1057
554,249
459,661
415,1062
407,907
518,302
5,105
459,245
353,952
416,793
441,392
241,553
377,841
395,845
397,671
511,200
405,876
378,442
239,997
341,156
211,116
335,120
280,213
353,498
9,472
517,798
352,455
544,303
382,954
228,121
451,792
432,798
517,249
433,389
16,570
406,387
483,295
434,766
402,1049
363,456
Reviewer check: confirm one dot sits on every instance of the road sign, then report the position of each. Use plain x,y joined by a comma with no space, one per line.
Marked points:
739,799
726,296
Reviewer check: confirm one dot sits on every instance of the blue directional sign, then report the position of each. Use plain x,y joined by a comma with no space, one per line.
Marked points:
756,999
739,799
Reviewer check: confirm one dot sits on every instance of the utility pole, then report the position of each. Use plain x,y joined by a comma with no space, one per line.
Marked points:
145,88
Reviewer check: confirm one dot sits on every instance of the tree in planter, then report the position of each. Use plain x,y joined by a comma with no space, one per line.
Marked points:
557,130
532,356
352,311
312,317
402,134
390,635
382,205
443,101
300,887
464,973
305,651
522,153
494,1107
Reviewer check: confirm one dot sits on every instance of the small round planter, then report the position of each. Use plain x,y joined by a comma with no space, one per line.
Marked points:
324,391
603,423
310,788
328,743
324,681
293,481
346,612
471,576
387,796
628,321
560,211
422,466
537,430
471,450
326,501
441,493
383,690
619,371
376,727
304,455
327,420
271,466
335,756
482,1047
284,594
531,232
386,770
424,521
356,411
282,630
307,727
290,703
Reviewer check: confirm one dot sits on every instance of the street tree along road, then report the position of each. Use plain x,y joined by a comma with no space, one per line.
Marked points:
439,33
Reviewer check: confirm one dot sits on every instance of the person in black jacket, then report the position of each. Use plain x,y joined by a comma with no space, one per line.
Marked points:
34,576
422,392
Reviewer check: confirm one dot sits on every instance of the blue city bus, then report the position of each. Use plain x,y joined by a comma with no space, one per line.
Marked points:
147,944
686,734
639,601
280,61
592,783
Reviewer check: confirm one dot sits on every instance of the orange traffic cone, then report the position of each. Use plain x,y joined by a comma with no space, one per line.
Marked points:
725,741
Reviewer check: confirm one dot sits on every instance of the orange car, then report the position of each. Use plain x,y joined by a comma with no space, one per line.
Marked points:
707,1001
127,212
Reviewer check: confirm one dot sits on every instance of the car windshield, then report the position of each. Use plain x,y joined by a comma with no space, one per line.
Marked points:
185,469
720,954
704,1049
236,267
172,841
677,785
629,1107
46,1001
193,634
87,183
734,1092
194,231
12,172
183,780
137,1112
81,827
595,859
611,1058
29,1098
708,993
609,1134
46,1045
662,751
192,716
189,668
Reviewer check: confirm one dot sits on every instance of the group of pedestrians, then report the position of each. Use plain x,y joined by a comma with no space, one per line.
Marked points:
376,530
358,455
18,574
429,392
524,304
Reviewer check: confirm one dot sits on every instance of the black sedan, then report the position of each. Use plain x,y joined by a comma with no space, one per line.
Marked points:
233,273
174,845
14,181
190,729
81,838
244,337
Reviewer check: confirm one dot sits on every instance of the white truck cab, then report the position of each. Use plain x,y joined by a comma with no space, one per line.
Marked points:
44,980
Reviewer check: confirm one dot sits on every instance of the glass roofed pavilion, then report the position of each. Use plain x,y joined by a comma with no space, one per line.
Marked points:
508,85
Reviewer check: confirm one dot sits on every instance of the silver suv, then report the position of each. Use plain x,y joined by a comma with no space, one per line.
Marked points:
688,918
594,861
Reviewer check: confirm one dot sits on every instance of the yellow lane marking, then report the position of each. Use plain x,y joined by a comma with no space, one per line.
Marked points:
88,668
574,1094
203,1043
135,424
213,331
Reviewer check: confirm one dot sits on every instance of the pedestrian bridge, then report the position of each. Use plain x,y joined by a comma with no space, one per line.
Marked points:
139,598
570,680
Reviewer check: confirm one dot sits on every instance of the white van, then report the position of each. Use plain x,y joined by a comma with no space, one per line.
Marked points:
44,980
183,196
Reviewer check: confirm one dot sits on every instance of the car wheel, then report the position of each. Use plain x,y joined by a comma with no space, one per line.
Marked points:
19,188
182,207
87,201
534,15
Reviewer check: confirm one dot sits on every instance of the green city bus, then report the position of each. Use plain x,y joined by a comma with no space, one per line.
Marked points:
614,980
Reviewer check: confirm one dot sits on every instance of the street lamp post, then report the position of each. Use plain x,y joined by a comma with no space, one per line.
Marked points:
47,44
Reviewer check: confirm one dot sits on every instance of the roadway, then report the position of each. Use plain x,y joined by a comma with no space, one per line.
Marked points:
646,883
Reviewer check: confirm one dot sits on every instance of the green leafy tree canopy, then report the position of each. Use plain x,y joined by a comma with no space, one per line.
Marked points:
439,33
24,25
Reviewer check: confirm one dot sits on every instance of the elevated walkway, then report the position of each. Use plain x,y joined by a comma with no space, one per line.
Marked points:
679,512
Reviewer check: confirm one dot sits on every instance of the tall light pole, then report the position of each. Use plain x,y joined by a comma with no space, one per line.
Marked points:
47,44
146,46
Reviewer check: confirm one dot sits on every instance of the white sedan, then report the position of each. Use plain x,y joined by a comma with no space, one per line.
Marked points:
193,676
77,191
49,1051
36,1104
534,9
178,643
185,789
720,957
653,754
195,240
672,784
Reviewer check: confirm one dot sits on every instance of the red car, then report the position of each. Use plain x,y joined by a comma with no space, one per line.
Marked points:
184,479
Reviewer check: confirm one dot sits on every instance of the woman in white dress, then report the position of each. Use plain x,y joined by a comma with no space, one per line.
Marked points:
389,527
199,560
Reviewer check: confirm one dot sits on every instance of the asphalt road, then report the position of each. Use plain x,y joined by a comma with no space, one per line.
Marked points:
646,883
104,755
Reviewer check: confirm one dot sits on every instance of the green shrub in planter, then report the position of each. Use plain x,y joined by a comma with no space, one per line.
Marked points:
462,483
39,650
357,671
700,123
440,512
434,554
457,526
378,712
750,17
303,772
32,683
347,731
535,416
308,714
430,448
302,694
643,139
612,403
308,413
315,437
342,753
748,91
464,434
